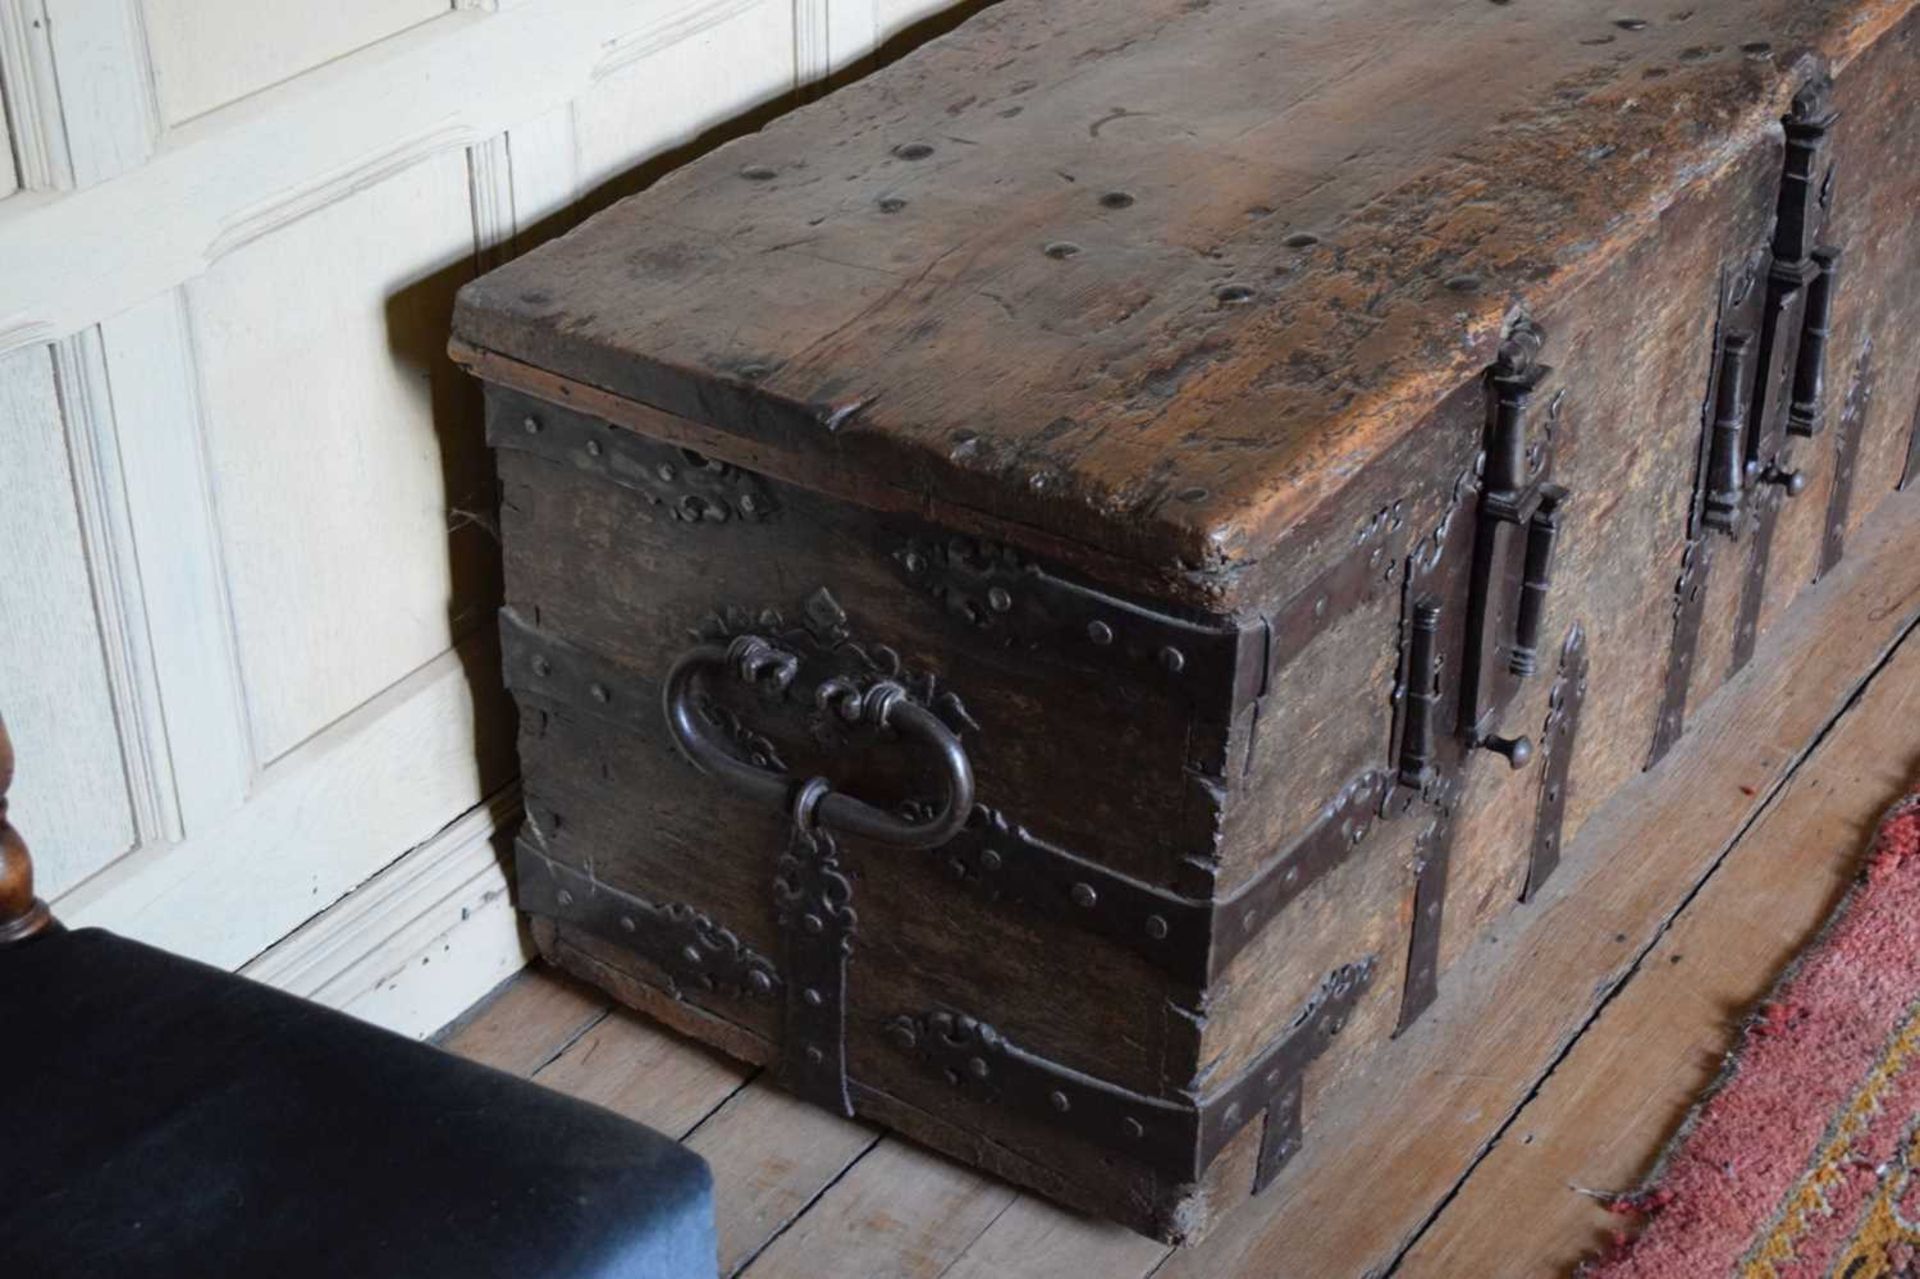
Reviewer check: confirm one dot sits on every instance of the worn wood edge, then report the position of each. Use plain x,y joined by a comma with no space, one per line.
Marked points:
1772,852
1380,1109
416,945
842,483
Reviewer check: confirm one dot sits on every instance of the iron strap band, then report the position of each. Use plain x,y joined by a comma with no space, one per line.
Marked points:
1176,1138
1557,737
1191,940
694,952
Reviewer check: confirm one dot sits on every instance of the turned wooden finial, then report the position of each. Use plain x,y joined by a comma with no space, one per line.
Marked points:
22,915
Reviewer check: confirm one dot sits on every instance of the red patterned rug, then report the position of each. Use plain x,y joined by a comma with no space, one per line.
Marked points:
1804,1160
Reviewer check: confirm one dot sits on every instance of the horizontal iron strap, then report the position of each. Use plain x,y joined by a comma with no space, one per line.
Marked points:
1176,1137
1191,940
694,951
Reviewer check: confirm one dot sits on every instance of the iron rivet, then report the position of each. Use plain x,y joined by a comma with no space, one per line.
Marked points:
760,982
599,693
1132,1128
1301,240
998,600
1156,927
1059,1101
813,923
1061,250
1293,875
749,504
814,1056
1116,200
913,151
1083,895
757,173
813,997
1232,1115
593,448
977,1067
1464,283
690,953
1757,49
1100,633
1233,294
531,424
626,923
1173,660
1631,24
542,667
891,204
989,861
902,1034
565,898
915,563
956,868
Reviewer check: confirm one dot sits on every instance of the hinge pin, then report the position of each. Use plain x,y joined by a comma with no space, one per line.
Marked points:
1543,530
1416,745
1810,368
1722,509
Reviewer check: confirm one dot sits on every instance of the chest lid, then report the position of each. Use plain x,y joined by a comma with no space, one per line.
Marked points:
1151,279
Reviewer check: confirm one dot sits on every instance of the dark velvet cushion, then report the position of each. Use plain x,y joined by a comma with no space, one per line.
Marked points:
162,1118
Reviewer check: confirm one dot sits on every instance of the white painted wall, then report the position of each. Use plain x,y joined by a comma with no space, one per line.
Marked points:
247,646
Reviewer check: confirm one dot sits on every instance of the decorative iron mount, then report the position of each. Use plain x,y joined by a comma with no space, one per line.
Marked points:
694,952
1176,1137
1462,664
993,854
1767,387
1518,526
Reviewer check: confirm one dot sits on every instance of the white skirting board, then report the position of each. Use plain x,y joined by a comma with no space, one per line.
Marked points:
416,945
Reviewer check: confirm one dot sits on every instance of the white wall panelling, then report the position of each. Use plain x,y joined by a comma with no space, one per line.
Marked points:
71,789
119,605
32,99
9,171
341,807
256,692
340,438
725,58
156,401
106,90
409,948
207,53
227,175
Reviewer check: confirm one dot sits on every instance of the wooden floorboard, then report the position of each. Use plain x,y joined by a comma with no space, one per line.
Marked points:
527,1022
1610,1105
1417,1165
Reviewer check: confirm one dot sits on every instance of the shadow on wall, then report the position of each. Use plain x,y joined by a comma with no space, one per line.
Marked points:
418,319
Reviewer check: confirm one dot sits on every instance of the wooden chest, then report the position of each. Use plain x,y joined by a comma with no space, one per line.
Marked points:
1054,591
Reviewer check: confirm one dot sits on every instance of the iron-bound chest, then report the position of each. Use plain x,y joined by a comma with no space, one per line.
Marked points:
1054,624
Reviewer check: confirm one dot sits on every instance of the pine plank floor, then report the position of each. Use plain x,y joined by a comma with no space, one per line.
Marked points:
1564,1049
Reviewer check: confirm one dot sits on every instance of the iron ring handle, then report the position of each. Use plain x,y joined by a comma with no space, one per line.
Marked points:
753,660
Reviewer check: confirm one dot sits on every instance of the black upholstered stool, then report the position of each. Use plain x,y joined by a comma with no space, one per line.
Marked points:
162,1118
